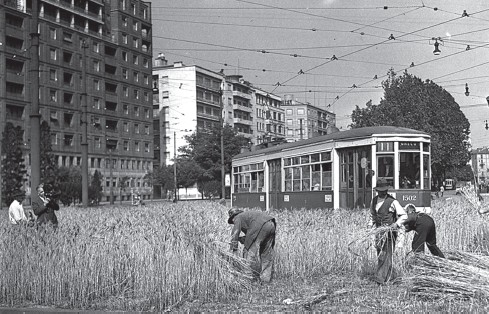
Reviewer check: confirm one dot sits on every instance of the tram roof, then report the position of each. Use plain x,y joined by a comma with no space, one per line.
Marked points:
358,133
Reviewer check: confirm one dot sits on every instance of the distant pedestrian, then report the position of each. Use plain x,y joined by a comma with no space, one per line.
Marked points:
44,207
442,189
259,239
424,231
16,210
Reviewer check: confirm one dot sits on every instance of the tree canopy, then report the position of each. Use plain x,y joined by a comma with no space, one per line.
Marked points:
49,165
13,167
200,160
422,105
205,149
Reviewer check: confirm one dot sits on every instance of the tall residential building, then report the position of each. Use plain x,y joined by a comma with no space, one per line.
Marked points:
117,35
303,120
239,104
480,165
189,99
270,118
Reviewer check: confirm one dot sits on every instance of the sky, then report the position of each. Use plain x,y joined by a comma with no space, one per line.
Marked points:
335,53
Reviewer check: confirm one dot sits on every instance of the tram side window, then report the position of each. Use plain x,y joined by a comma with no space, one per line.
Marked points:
306,178
327,176
316,177
248,179
385,168
314,173
409,170
426,171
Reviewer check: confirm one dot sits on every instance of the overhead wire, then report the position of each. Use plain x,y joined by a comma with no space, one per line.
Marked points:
396,38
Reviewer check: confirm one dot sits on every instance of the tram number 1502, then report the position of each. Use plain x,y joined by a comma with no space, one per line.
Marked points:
409,198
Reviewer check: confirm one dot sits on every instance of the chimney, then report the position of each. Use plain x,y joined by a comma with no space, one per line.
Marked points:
178,64
161,60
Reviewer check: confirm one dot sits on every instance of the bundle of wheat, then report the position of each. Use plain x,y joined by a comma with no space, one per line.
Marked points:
367,236
471,195
461,275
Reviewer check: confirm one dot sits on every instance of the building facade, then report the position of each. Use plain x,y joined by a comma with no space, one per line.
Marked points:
189,99
303,120
270,118
112,41
480,165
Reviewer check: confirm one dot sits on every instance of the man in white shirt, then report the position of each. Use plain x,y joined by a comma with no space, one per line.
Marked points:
16,210
385,210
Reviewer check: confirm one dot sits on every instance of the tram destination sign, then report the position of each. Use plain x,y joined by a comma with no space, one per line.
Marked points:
409,145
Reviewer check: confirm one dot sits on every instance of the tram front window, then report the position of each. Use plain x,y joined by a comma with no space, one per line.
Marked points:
385,165
409,170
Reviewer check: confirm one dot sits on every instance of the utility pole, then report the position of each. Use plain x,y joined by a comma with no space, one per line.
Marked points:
111,165
35,117
84,122
223,174
175,166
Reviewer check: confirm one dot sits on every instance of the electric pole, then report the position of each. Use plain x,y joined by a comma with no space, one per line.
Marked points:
223,175
84,123
35,116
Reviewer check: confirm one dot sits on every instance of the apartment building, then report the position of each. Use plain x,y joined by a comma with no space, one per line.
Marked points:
112,40
270,118
303,120
480,165
239,104
188,99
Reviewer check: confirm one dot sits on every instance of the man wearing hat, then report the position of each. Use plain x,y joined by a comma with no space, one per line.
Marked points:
385,210
16,210
259,239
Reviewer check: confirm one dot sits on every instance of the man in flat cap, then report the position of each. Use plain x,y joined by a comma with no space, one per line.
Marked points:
259,239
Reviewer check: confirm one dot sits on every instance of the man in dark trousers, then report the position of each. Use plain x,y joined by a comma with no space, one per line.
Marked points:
385,210
259,239
425,231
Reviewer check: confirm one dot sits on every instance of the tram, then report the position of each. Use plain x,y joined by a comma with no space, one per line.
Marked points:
337,170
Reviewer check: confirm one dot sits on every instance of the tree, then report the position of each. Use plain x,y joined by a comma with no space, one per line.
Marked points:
164,177
188,172
209,189
49,165
204,148
123,184
95,188
13,167
70,185
422,105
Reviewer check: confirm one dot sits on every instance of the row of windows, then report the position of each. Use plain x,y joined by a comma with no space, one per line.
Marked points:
208,82
54,55
266,101
267,114
98,163
132,7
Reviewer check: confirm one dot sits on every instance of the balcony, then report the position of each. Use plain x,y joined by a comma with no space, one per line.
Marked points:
208,101
15,4
242,121
241,94
242,108
15,77
75,9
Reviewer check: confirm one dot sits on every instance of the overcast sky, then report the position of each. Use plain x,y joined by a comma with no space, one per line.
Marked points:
287,47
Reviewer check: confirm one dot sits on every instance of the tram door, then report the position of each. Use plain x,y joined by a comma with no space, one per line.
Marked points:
274,179
355,177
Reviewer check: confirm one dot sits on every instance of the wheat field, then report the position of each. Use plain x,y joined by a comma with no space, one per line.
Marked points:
152,258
